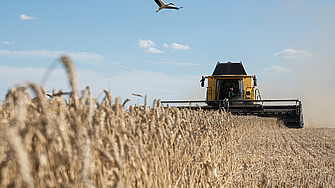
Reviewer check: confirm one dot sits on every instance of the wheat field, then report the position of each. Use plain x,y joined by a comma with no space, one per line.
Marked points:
50,141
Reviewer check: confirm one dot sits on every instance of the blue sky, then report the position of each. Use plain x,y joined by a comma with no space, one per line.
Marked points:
126,47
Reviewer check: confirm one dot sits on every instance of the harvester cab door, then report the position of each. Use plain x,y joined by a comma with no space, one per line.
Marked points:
228,89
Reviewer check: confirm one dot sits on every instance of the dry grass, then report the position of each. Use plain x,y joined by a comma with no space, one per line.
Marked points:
52,142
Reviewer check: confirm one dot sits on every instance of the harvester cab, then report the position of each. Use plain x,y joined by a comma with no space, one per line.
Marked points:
230,81
230,87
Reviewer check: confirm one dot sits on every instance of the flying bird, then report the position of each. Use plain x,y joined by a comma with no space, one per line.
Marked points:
162,5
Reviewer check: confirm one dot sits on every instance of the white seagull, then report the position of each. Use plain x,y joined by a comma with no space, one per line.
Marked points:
162,5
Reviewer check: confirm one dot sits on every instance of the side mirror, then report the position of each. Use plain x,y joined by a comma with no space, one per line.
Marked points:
202,81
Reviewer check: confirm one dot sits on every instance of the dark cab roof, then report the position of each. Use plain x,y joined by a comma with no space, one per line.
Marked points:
229,69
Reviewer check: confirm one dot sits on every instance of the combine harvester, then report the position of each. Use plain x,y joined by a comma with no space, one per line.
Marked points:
230,88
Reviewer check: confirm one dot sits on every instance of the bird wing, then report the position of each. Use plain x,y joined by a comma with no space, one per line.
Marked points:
173,7
159,2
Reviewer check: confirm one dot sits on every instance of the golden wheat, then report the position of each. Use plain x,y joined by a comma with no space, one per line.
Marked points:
51,142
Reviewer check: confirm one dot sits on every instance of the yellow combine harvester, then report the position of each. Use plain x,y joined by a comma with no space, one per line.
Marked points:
230,88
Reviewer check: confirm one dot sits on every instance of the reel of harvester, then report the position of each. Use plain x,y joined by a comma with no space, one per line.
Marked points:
289,111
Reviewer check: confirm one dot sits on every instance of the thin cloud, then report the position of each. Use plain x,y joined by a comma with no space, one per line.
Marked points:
154,50
295,54
172,63
31,53
156,84
277,69
177,46
25,17
149,45
7,42
84,57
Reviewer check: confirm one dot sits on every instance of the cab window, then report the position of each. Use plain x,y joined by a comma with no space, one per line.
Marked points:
228,89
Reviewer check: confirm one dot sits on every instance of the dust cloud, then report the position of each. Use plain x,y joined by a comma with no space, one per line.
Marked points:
312,80
317,91
313,83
